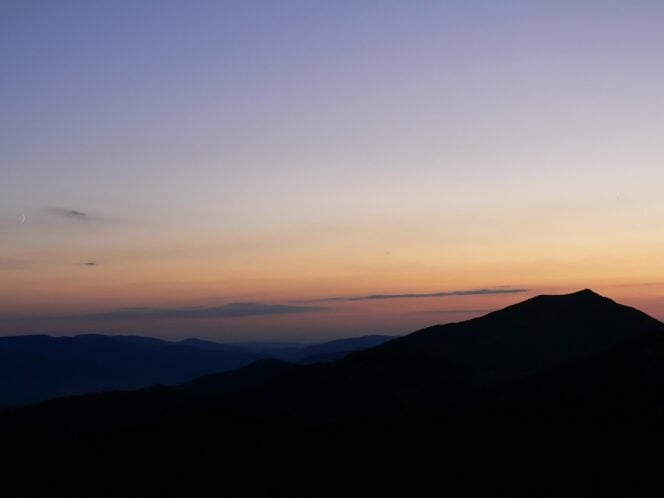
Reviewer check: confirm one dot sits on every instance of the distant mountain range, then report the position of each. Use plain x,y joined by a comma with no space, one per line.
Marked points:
296,352
39,367
554,396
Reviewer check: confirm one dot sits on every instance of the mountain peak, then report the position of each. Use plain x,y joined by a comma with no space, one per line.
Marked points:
584,296
586,292
580,293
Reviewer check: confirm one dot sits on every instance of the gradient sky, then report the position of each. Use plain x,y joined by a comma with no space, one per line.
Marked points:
223,168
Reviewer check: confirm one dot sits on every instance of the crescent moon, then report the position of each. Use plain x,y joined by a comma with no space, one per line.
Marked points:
23,218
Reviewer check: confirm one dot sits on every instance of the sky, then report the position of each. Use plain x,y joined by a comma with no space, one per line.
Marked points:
247,170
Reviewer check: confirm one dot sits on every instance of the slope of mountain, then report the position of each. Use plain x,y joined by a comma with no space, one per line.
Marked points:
533,335
297,353
334,350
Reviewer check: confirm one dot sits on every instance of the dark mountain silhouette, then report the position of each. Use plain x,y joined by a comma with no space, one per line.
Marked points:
441,365
557,395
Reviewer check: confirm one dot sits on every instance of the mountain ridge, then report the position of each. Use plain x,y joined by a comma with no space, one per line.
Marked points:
435,367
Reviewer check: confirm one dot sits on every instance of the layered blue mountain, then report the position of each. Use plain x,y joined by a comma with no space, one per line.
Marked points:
39,367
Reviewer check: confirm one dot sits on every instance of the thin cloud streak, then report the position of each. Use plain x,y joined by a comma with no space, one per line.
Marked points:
74,215
231,310
458,312
379,297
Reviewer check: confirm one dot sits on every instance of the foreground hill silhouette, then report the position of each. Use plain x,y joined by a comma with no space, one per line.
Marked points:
548,397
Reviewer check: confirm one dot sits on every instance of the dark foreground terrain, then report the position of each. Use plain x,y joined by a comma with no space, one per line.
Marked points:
555,396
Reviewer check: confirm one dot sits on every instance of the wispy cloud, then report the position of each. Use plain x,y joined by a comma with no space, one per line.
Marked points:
472,292
230,310
73,215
